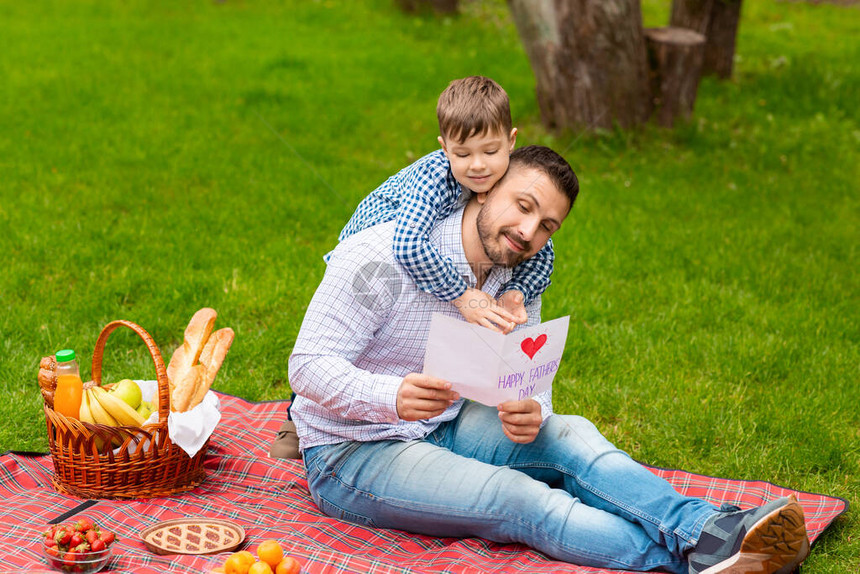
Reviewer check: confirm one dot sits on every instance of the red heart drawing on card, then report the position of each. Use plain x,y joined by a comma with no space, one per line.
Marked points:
531,346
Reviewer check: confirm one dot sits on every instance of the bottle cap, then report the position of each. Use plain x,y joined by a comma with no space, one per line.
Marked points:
65,356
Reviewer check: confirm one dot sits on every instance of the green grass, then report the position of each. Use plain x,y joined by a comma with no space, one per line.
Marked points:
157,158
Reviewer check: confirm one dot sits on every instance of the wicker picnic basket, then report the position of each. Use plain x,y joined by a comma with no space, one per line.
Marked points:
144,464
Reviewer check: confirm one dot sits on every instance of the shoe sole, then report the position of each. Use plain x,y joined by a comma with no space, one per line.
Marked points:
776,544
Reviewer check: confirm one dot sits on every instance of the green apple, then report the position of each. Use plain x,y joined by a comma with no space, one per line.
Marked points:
145,409
128,391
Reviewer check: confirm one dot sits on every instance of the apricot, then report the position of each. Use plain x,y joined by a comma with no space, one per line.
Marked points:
288,565
260,568
270,552
239,563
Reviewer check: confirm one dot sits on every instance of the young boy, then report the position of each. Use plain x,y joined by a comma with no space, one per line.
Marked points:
477,137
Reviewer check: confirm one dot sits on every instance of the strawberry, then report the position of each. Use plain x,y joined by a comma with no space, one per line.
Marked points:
83,524
107,537
69,558
62,536
91,536
76,539
97,545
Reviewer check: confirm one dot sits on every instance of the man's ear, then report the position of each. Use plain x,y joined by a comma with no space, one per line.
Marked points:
481,198
513,139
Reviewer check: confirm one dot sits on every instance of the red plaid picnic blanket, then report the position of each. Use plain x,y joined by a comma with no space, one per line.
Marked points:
270,499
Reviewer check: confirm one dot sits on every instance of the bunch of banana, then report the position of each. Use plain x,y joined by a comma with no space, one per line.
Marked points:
98,406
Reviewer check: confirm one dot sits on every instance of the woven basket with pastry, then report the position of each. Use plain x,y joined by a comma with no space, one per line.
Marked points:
108,452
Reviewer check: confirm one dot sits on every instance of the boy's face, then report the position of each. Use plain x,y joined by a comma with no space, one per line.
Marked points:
480,161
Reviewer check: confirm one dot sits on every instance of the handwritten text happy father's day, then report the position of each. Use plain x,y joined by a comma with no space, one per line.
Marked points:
526,387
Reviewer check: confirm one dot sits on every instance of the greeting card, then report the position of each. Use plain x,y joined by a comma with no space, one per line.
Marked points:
490,367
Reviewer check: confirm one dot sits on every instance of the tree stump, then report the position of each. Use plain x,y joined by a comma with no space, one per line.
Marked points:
675,57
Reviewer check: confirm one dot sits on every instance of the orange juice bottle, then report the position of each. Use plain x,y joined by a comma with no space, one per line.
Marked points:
70,388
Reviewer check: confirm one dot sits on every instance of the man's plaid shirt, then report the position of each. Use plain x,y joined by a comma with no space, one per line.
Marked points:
416,198
365,329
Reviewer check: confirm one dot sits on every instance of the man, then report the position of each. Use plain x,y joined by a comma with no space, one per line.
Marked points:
386,446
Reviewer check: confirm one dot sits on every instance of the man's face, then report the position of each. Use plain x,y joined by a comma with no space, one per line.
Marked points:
520,215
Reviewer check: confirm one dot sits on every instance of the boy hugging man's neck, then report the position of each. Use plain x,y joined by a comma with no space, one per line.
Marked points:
477,138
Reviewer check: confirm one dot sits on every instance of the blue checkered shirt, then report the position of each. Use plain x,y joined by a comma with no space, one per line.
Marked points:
365,329
416,198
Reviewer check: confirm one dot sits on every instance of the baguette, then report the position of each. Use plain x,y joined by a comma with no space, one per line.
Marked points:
183,371
210,361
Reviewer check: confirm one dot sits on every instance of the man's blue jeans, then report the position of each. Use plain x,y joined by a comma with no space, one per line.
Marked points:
570,493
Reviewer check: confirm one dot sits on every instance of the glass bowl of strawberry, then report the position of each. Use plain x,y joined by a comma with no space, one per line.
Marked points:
80,547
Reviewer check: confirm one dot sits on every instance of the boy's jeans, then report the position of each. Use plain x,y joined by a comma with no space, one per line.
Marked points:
570,493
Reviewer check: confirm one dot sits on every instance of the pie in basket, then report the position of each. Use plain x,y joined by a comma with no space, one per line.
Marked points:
196,535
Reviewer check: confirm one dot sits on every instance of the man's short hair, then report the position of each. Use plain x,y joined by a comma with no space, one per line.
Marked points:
552,164
473,106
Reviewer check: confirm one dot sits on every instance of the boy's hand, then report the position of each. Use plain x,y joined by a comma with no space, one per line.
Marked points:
423,397
479,308
521,420
512,302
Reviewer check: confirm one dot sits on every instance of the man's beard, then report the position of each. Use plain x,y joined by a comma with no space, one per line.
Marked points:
494,246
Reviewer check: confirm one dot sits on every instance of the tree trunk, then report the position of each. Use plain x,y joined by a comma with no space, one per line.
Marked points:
589,61
722,37
692,14
718,20
442,6
675,62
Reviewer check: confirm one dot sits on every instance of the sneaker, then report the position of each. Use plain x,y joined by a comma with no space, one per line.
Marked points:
770,539
286,444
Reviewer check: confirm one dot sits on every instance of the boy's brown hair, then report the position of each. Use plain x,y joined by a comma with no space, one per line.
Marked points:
473,106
